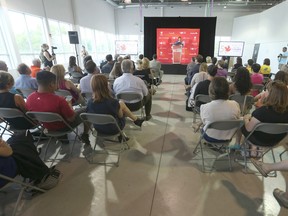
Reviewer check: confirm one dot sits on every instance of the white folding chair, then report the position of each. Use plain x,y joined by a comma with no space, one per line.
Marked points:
132,97
26,92
245,102
11,113
200,98
49,117
100,119
232,125
269,128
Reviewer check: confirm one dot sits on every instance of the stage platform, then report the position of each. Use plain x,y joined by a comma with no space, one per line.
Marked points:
174,69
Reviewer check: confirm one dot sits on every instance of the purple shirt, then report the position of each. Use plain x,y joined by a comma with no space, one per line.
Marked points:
222,72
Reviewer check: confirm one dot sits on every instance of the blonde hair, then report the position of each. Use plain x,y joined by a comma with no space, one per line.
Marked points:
59,71
145,63
203,67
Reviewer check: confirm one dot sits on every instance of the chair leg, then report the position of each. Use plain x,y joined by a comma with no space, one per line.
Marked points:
202,156
280,155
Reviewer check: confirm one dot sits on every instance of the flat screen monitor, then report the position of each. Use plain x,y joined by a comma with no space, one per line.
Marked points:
125,47
231,48
177,45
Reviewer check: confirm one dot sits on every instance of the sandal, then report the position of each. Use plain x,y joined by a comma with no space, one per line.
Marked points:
259,167
280,197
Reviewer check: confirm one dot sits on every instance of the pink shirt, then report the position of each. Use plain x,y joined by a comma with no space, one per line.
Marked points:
256,78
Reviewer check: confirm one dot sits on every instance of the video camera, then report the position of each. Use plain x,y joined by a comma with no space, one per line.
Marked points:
53,48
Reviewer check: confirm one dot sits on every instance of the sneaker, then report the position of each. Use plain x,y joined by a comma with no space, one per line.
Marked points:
235,147
139,121
87,150
121,138
85,139
280,197
148,117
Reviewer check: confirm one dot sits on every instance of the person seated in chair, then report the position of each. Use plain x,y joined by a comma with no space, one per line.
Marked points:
15,101
91,68
274,110
67,85
74,70
143,71
102,102
219,109
129,83
25,81
45,100
106,69
155,65
19,156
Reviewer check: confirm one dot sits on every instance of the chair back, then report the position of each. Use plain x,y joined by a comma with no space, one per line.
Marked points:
245,102
225,125
99,119
202,98
63,93
258,87
272,128
129,97
26,92
45,117
11,113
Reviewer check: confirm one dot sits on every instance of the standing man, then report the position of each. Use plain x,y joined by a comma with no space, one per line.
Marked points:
282,58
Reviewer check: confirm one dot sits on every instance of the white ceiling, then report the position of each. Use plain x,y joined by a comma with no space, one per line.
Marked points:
259,5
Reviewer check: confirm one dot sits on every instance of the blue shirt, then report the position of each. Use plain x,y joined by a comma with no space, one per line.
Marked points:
26,82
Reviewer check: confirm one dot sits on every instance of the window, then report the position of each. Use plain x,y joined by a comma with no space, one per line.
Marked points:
29,35
105,44
4,56
60,39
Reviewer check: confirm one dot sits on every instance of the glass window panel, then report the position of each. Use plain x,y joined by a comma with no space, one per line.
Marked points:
20,31
36,32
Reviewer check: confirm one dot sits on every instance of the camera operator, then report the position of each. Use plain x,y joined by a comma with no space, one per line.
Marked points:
282,58
46,57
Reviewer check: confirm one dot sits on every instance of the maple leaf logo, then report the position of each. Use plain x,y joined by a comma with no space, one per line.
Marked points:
228,48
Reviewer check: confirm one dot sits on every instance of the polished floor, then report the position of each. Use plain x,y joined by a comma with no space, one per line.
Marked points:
158,176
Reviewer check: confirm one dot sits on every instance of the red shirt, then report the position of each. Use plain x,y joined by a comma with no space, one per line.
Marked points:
34,71
49,102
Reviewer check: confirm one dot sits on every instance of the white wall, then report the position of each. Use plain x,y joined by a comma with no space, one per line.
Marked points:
267,28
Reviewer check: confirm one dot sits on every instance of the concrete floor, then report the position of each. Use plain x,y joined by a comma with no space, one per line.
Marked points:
158,176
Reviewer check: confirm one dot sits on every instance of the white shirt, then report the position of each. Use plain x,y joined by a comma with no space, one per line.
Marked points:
129,83
85,83
219,110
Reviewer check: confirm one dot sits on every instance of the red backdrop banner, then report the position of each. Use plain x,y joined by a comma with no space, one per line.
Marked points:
171,52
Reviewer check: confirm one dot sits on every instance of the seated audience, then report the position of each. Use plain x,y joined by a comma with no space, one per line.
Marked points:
45,100
219,109
86,59
15,101
274,110
197,78
265,169
250,62
222,71
67,85
261,97
214,62
25,81
242,82
194,69
102,102
19,156
84,85
116,70
141,56
256,77
106,69
35,67
203,87
265,68
129,83
238,63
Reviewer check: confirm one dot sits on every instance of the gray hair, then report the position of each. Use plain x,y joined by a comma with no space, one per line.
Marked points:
127,66
3,66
